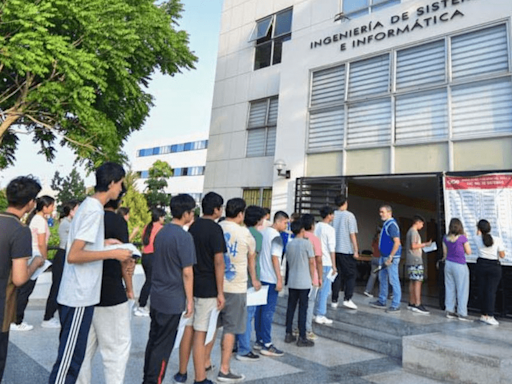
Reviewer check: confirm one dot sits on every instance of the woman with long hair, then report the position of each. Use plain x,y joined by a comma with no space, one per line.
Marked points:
488,270
67,213
456,271
38,224
148,238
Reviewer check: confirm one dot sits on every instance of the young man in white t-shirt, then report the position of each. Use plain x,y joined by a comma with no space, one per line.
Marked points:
80,287
270,274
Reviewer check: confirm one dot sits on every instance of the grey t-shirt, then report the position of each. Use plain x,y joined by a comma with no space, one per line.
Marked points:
344,224
298,253
413,255
174,250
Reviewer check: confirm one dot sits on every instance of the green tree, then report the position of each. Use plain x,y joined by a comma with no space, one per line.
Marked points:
3,200
69,187
139,212
156,183
74,73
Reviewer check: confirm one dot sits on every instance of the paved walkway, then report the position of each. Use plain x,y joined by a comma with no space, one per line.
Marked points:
31,355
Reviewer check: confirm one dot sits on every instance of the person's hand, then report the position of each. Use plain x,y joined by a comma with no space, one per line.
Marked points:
121,254
320,282
389,261
256,285
334,270
428,243
190,310
112,242
221,301
356,255
130,295
38,261
129,266
279,286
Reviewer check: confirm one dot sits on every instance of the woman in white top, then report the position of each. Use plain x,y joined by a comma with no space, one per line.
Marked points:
488,270
38,224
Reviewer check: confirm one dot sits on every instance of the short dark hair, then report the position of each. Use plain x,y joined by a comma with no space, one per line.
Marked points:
340,200
21,191
280,215
418,218
253,214
123,211
295,216
180,204
267,211
234,207
114,204
211,201
308,220
325,211
107,173
297,226
66,208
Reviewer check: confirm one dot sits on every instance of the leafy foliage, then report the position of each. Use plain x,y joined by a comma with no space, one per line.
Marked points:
71,187
3,200
73,73
155,194
139,212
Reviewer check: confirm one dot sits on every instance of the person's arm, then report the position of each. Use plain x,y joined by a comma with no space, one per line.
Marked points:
77,254
128,267
251,262
333,261
467,248
134,233
21,271
420,245
219,277
501,254
319,269
445,251
353,239
394,250
312,267
42,246
277,271
188,284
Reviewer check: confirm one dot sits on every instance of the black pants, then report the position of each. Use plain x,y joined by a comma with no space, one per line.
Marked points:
488,274
22,295
147,261
4,343
57,269
302,296
162,334
347,272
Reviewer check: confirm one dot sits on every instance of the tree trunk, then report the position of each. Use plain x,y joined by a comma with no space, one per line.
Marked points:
9,120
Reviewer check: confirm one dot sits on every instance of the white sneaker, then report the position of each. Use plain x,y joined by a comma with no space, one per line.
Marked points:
334,304
52,323
23,327
323,320
349,304
368,294
489,320
141,312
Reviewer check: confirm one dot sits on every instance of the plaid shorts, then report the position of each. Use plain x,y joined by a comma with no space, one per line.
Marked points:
415,272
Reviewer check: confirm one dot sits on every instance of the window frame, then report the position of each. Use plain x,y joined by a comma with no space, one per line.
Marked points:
265,128
370,8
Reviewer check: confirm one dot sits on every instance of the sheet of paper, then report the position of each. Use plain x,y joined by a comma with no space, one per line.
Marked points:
181,329
331,276
212,326
431,248
128,246
40,270
257,297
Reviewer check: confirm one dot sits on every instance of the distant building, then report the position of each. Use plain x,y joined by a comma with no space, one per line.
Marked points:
185,154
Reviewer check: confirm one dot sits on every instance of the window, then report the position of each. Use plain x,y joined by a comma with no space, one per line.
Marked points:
258,196
356,8
458,87
261,129
188,146
144,174
270,33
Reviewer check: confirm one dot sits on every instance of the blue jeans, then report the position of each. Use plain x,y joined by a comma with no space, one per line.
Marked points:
265,316
391,273
244,339
456,283
323,294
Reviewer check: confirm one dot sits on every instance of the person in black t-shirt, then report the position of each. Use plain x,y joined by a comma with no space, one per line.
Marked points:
208,288
110,328
15,251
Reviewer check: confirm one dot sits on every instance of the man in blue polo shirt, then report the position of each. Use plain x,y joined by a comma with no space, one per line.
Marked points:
390,252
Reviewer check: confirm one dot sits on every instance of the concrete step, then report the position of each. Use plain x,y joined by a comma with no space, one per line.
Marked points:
471,356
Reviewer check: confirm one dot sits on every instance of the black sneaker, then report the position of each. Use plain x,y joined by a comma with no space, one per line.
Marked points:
289,338
230,377
249,357
305,343
258,345
393,310
271,351
180,377
421,309
411,306
377,304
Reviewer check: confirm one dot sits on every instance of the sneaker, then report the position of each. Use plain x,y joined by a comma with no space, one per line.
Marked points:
305,343
464,318
393,310
311,336
230,377
349,304
377,304
258,346
205,381
411,307
271,351
23,327
249,357
52,323
421,309
289,338
180,377
489,320
141,312
334,304
451,315
368,294
323,320
295,332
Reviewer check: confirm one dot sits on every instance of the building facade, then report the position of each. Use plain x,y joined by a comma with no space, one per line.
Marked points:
185,154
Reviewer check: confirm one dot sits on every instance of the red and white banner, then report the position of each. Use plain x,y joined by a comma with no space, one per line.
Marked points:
488,197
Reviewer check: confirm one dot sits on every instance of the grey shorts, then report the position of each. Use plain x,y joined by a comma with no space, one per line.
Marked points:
233,316
203,308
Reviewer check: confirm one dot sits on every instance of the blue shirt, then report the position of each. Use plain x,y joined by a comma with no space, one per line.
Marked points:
389,231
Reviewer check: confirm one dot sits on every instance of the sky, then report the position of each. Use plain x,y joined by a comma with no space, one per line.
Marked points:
182,104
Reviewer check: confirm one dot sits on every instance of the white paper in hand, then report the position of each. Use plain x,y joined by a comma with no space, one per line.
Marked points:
40,270
430,248
257,297
128,246
331,276
212,326
181,330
